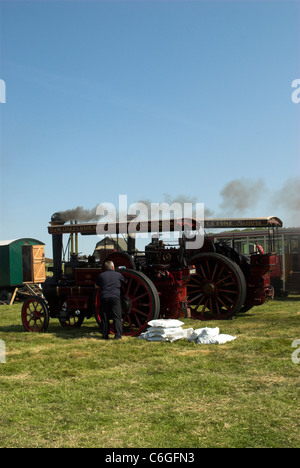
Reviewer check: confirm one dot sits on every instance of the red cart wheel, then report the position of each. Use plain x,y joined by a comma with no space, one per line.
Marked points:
35,314
140,303
218,290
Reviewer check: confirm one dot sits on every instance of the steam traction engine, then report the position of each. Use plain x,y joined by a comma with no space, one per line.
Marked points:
213,282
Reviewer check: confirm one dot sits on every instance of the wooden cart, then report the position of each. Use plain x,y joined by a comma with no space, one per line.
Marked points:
22,263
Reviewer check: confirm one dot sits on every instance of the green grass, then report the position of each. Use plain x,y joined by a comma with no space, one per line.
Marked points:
68,388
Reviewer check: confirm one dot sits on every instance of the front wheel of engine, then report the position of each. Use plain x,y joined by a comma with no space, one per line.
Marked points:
35,314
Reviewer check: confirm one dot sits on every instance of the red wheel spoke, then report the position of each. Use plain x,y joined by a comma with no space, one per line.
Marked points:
192,301
200,302
140,312
228,299
224,279
129,286
136,290
208,268
228,291
204,307
130,323
223,303
137,318
35,315
145,294
196,281
221,271
203,273
214,272
218,309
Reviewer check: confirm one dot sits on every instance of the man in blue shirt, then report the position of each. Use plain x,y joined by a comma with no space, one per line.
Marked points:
109,282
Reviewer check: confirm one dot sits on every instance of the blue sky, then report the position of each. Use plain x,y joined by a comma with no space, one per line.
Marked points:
146,98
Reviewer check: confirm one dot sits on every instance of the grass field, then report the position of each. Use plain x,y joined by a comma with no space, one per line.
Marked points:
68,388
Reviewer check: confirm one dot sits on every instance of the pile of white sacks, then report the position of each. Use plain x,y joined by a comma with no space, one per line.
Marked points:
171,330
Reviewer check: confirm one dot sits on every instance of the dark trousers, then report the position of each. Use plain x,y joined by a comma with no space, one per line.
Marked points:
111,309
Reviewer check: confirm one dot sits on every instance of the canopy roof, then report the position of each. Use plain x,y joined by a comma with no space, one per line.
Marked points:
167,225
24,240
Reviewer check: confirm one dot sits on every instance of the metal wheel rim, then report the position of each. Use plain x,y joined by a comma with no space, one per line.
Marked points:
35,315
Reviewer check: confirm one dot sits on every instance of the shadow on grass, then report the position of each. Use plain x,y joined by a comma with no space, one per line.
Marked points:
59,331
73,332
287,299
12,329
92,330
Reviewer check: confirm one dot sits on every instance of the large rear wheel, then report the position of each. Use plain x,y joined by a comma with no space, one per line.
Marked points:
140,303
218,290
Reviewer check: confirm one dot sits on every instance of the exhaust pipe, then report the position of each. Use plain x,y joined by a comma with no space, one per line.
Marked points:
57,219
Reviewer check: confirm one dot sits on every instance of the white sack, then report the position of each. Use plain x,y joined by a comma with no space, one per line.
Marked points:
165,323
166,334
220,339
204,333
171,330
162,330
210,336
